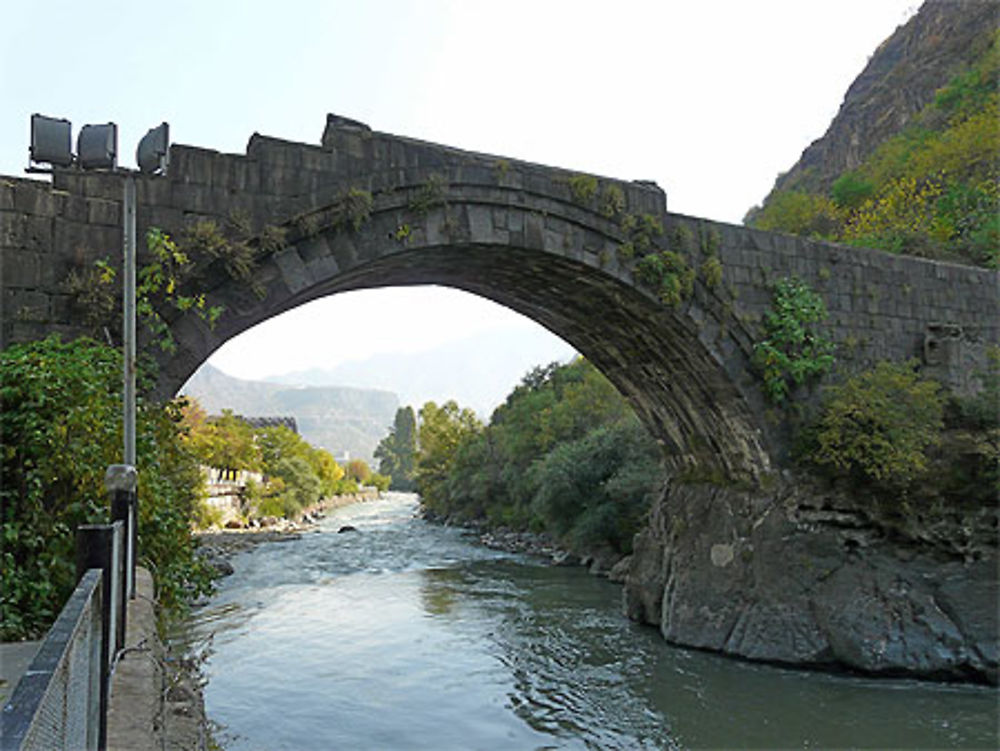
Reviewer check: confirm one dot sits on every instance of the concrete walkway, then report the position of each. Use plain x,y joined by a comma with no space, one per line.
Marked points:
136,706
14,660
155,703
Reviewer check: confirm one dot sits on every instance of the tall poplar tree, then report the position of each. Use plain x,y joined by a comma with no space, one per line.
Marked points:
397,451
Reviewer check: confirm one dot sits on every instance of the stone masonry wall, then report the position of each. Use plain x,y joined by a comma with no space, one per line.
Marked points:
516,233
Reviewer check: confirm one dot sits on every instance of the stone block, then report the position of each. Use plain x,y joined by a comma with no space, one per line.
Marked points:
7,194
344,250
34,198
313,248
293,271
323,268
534,232
480,223
104,212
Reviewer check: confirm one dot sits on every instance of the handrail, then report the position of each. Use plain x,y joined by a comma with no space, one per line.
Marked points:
57,702
61,702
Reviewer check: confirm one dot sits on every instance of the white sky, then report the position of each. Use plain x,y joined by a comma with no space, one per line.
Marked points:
709,98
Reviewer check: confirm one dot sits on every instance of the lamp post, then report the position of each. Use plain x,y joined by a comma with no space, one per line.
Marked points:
97,150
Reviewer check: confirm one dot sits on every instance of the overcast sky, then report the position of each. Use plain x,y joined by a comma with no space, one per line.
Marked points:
709,98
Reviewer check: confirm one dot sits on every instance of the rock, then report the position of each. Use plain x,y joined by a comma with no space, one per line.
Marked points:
234,524
565,558
766,576
620,570
222,567
347,528
601,561
268,521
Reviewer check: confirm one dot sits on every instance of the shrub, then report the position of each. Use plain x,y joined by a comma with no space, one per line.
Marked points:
792,351
61,427
850,190
879,424
668,274
582,188
798,213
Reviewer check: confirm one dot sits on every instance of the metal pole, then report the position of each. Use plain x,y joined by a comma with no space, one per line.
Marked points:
128,344
128,329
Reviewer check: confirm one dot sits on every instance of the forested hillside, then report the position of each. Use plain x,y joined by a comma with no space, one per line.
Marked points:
911,163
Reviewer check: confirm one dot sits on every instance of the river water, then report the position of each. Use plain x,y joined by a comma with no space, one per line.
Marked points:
408,635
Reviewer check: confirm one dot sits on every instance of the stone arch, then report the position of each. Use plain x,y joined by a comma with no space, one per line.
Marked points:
540,254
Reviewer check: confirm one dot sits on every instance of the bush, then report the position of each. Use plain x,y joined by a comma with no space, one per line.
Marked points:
61,427
792,351
878,426
850,190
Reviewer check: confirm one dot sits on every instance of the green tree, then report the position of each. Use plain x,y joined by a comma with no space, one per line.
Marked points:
442,430
327,470
878,425
300,484
563,454
234,445
397,451
61,427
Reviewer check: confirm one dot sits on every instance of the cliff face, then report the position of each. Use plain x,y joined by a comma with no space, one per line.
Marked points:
900,79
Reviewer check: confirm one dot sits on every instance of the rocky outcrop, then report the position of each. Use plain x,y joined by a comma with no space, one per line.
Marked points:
794,577
900,79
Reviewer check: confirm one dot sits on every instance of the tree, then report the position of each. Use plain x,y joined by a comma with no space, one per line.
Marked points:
60,418
327,470
397,451
442,431
879,424
564,454
225,442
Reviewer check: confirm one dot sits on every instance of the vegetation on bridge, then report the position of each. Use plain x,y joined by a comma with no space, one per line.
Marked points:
792,351
932,190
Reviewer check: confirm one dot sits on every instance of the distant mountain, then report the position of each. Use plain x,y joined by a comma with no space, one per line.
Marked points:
477,372
338,419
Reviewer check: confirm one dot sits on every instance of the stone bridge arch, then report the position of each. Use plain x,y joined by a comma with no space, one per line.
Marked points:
542,242
366,209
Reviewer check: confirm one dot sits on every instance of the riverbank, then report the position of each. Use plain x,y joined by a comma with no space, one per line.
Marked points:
599,561
800,576
218,545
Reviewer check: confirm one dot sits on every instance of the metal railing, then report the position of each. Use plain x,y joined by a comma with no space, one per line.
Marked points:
61,702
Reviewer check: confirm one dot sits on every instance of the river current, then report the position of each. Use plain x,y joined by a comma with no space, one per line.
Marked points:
408,635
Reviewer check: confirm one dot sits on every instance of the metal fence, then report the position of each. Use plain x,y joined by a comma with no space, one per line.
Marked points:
61,701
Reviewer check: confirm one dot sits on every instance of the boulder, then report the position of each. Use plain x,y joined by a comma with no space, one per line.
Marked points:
790,577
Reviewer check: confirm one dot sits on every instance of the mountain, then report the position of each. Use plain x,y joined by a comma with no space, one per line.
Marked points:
902,77
337,418
911,161
476,372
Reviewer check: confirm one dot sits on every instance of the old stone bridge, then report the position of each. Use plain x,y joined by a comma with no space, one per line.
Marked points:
365,209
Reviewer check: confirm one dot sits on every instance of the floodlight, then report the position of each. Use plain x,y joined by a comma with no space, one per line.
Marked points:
153,151
97,146
50,141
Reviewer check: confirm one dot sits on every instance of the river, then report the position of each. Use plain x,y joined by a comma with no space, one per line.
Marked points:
408,635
